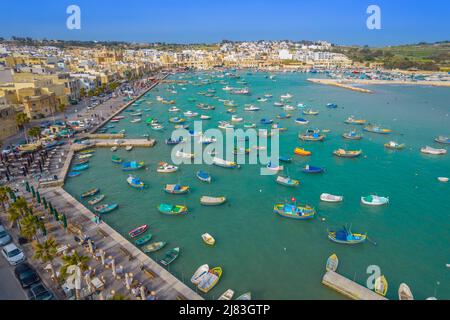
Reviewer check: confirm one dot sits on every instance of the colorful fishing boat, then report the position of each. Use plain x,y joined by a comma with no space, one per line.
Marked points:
312,135
173,210
394,145
212,201
153,247
326,197
143,240
208,239
171,141
381,286
96,200
433,151
88,151
332,263
176,189
352,120
347,154
443,140
266,121
352,135
199,274
299,212
345,236
312,169
310,112
138,231
170,256
85,156
177,120
135,182
164,167
301,121
210,280
204,176
116,159
302,152
287,181
106,208
81,167
90,193
273,167
373,200
404,292
377,129
133,165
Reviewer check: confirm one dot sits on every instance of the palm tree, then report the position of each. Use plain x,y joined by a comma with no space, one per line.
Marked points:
14,216
74,260
30,225
4,197
22,119
21,205
34,132
46,252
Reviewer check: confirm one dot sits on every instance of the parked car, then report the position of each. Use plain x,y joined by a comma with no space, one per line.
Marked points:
26,275
13,254
5,238
39,292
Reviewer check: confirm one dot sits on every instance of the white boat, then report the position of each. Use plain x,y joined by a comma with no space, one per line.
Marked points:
199,274
404,292
136,120
208,239
443,179
268,95
286,96
271,167
430,150
227,88
373,200
203,117
114,149
166,168
129,148
174,109
191,114
278,104
236,119
225,125
158,98
326,197
262,100
227,295
184,155
245,296
289,108
224,163
251,108
206,140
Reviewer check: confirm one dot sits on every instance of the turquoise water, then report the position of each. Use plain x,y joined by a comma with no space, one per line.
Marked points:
278,258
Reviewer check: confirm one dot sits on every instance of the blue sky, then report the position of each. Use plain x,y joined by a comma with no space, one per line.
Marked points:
188,21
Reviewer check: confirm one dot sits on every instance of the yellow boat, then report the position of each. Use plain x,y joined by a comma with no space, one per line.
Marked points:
209,280
302,152
381,286
30,147
208,239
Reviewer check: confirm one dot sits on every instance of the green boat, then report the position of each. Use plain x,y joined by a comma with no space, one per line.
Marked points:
143,240
116,159
172,210
170,256
152,247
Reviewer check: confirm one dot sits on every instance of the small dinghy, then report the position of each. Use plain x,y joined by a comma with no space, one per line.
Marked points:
212,201
227,295
312,169
208,239
138,231
433,151
143,240
225,164
285,159
172,142
166,168
266,121
135,182
184,155
74,174
310,112
170,256
116,159
302,152
381,286
81,167
245,296
301,121
443,179
404,292
273,167
199,274
106,208
209,280
373,200
114,149
173,210
176,189
443,140
326,197
96,200
90,193
129,148
153,247
332,263
347,154
287,181
394,145
204,176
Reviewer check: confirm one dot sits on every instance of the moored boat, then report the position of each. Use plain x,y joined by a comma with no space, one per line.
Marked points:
352,120
287,181
208,239
227,295
143,240
116,159
81,167
224,163
345,236
176,189
173,210
164,167
433,151
373,200
133,165
106,208
394,145
245,296
312,169
302,152
90,193
377,129
326,197
347,154
153,247
138,231
352,135
404,292
381,285
312,135
96,200
212,201
443,179
299,212
210,279
301,121
443,140
310,112
135,182
171,141
199,274
73,174
170,256
204,176
332,263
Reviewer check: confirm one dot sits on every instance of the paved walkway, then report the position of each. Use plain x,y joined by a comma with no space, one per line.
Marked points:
10,288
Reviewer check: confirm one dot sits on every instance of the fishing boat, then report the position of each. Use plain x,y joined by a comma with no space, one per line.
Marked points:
352,135
251,108
170,256
88,151
174,109
352,120
245,296
135,182
204,176
443,179
81,167
136,114
116,159
205,117
176,189
310,112
133,165
96,200
332,105
443,140
345,236
174,210
377,129
157,127
153,247
73,174
90,193
82,162
272,167
212,201
278,104
224,163
261,100
289,108
177,120
332,263
347,154
227,295
199,274
287,181
128,148
208,239
301,121
286,97
404,292
278,127
191,114
433,151
236,119
171,141
114,149
184,155
143,240
85,156
210,279
249,125
225,125
166,168
138,231
137,120
285,159
326,197
373,200
206,140
312,135
106,208
394,145
381,285
299,212
266,121
302,152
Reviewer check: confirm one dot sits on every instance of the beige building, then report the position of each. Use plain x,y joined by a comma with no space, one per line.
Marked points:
8,126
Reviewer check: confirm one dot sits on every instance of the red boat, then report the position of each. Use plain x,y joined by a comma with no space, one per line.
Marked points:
138,231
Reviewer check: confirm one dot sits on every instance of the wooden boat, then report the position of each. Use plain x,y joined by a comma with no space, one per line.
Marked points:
326,197
245,296
143,240
332,263
176,189
312,169
138,231
73,174
299,212
443,140
170,256
128,148
106,208
373,200
208,239
287,181
90,193
81,167
135,182
227,295
301,121
433,151
352,120
153,247
85,156
88,151
345,236
310,112
443,179
352,135
212,201
204,176
404,292
381,285
225,164
82,162
133,165
394,145
116,159
97,200
166,168
174,210
377,129
302,152
347,154
199,274
210,280
312,135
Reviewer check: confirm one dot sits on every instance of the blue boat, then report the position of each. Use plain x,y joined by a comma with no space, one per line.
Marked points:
204,176
106,208
332,105
133,165
285,159
81,167
311,169
74,174
443,140
135,182
171,141
266,121
301,121
346,236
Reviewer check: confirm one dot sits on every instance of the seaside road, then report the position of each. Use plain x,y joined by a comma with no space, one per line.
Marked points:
10,288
